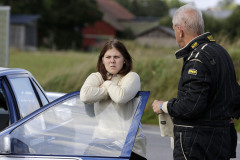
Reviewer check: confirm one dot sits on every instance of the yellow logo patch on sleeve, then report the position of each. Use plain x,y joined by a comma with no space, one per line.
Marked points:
194,45
192,71
210,38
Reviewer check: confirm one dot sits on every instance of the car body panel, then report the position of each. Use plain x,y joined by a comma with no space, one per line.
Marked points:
13,157
54,95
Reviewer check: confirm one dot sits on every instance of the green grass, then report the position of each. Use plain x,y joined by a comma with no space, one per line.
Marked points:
65,71
61,71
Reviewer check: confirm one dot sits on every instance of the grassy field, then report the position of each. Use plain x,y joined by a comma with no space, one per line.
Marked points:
65,71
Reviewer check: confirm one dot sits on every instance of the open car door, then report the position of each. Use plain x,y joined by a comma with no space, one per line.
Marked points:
64,129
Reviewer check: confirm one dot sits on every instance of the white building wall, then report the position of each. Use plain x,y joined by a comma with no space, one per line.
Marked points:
4,35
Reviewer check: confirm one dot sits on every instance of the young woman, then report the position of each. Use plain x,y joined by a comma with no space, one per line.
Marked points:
114,84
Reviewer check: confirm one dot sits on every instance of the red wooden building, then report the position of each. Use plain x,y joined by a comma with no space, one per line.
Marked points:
106,29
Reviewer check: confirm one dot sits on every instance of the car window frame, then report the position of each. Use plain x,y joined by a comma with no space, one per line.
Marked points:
35,86
127,148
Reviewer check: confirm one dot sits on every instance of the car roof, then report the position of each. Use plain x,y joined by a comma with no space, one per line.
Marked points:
9,71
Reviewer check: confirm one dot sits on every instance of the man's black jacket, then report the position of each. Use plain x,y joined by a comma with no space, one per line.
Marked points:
207,85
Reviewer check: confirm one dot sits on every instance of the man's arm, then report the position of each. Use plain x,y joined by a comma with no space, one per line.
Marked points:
193,93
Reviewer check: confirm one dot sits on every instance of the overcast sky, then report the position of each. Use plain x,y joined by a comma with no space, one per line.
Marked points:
205,4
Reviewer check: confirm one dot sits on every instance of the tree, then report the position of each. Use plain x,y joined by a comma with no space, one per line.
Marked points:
166,21
213,25
61,22
232,24
226,4
174,3
145,8
68,19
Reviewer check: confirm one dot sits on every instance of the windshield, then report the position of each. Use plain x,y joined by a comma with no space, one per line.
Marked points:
72,128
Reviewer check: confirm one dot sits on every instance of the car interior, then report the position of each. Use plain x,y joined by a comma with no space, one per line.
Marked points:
4,113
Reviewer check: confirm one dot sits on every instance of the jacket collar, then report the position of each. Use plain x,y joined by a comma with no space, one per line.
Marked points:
203,38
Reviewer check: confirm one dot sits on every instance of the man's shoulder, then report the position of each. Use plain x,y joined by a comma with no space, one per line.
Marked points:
208,52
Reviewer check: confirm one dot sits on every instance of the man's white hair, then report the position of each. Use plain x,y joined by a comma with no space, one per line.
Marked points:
190,18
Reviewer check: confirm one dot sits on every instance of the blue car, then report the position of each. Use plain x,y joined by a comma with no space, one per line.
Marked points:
62,129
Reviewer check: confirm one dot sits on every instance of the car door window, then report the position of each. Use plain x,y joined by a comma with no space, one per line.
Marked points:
25,95
71,128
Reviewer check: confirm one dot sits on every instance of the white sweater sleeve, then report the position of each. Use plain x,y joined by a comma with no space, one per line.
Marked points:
128,88
91,90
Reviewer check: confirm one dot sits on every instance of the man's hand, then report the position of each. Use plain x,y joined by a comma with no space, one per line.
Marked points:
156,106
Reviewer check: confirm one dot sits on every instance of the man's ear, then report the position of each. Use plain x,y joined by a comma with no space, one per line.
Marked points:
181,33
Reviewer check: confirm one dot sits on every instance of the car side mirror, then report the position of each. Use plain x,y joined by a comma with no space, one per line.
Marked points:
5,144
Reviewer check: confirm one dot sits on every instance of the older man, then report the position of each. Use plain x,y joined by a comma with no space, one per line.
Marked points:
206,89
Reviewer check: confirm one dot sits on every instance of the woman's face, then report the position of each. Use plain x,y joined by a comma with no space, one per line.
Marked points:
113,61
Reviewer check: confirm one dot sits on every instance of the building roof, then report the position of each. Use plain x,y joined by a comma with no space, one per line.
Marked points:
166,30
114,12
23,18
140,24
